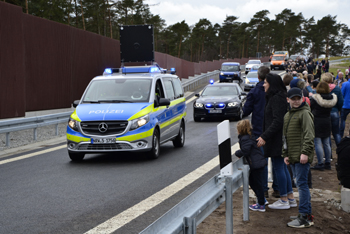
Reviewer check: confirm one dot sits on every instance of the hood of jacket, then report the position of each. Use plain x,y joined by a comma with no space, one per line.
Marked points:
324,100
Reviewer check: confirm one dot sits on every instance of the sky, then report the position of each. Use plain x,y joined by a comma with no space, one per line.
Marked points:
175,11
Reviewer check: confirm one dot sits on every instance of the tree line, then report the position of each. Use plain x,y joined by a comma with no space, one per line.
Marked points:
202,41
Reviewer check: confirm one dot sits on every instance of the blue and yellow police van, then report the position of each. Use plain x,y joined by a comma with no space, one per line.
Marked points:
128,109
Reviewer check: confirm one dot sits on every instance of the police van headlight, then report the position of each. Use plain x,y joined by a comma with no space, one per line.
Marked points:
72,123
136,123
232,104
221,73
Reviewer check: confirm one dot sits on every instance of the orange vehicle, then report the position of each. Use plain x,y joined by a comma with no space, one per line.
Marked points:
278,61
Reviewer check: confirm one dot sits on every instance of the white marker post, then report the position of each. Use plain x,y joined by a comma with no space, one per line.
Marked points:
224,142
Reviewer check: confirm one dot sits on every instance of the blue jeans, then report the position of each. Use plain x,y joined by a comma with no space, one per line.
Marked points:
344,114
335,127
323,149
300,173
282,175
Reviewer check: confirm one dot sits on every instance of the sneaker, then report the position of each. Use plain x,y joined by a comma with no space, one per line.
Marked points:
257,207
301,221
292,203
280,205
276,194
327,166
319,167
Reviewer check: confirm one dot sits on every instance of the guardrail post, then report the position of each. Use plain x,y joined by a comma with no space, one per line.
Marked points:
7,139
35,134
190,225
229,205
245,193
56,129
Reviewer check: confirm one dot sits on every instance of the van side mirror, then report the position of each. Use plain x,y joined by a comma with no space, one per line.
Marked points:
197,95
75,103
164,102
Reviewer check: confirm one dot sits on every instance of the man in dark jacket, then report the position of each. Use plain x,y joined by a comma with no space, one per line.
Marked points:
343,163
255,104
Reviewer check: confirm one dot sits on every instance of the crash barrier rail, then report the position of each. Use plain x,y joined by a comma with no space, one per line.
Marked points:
190,212
197,81
8,126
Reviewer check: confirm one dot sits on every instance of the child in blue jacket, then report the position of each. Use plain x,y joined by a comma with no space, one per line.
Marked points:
256,161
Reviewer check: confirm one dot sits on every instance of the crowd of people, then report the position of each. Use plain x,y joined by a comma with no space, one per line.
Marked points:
291,119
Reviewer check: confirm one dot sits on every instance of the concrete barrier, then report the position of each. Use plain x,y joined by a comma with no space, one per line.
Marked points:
345,199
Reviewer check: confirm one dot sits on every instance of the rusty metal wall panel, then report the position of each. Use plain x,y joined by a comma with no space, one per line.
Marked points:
161,59
197,68
12,75
48,63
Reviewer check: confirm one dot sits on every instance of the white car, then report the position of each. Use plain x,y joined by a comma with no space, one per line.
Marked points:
250,64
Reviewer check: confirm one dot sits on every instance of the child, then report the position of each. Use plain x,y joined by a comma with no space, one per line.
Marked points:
256,161
298,152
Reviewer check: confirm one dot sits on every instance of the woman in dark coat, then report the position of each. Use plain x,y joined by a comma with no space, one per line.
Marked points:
321,105
275,108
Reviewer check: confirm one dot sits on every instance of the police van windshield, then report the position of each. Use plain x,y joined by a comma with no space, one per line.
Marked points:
118,90
220,91
229,68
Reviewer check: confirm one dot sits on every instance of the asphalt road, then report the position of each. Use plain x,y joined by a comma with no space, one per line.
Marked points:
48,193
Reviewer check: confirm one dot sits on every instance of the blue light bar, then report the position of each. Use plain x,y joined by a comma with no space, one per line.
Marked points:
208,105
108,71
221,104
172,70
211,81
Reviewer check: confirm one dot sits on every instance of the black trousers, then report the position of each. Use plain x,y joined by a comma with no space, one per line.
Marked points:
256,183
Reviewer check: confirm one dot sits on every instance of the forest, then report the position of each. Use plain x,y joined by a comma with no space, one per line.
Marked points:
202,41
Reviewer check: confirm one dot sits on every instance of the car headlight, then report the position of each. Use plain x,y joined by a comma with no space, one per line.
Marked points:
72,123
198,105
247,81
136,123
221,73
232,104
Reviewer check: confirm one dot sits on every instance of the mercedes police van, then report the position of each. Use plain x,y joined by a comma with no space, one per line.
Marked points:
128,109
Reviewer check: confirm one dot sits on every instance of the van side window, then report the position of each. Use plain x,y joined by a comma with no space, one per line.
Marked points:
159,90
169,89
178,88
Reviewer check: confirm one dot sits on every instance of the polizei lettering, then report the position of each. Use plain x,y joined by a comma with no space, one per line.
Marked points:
106,111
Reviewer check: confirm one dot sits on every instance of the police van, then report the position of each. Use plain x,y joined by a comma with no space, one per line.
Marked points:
128,109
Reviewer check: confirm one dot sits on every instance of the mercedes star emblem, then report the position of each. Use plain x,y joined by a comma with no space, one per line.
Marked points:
102,127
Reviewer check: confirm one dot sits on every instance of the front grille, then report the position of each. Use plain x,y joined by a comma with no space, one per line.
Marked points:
117,146
114,127
216,106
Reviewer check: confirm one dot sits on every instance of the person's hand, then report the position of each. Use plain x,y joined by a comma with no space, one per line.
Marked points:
261,142
304,158
286,160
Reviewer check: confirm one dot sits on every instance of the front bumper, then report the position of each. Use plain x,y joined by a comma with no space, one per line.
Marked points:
79,143
229,78
248,87
227,112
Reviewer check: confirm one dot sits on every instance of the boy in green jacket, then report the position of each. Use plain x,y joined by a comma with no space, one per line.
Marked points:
298,152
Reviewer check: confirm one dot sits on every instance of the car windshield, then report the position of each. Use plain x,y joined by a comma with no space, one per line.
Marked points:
253,62
220,91
279,52
277,58
118,90
230,68
252,75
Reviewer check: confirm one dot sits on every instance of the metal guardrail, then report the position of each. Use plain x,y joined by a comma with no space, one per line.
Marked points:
197,81
7,126
190,212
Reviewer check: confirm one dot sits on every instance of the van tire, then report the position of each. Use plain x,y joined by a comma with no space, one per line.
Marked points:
179,141
154,152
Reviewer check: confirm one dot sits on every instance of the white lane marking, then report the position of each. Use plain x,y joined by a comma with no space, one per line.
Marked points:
188,94
132,213
32,154
191,99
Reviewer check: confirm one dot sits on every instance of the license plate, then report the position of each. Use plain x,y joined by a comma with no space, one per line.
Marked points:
103,140
215,111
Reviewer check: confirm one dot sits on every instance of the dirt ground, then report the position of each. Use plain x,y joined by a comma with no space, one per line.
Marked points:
325,200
